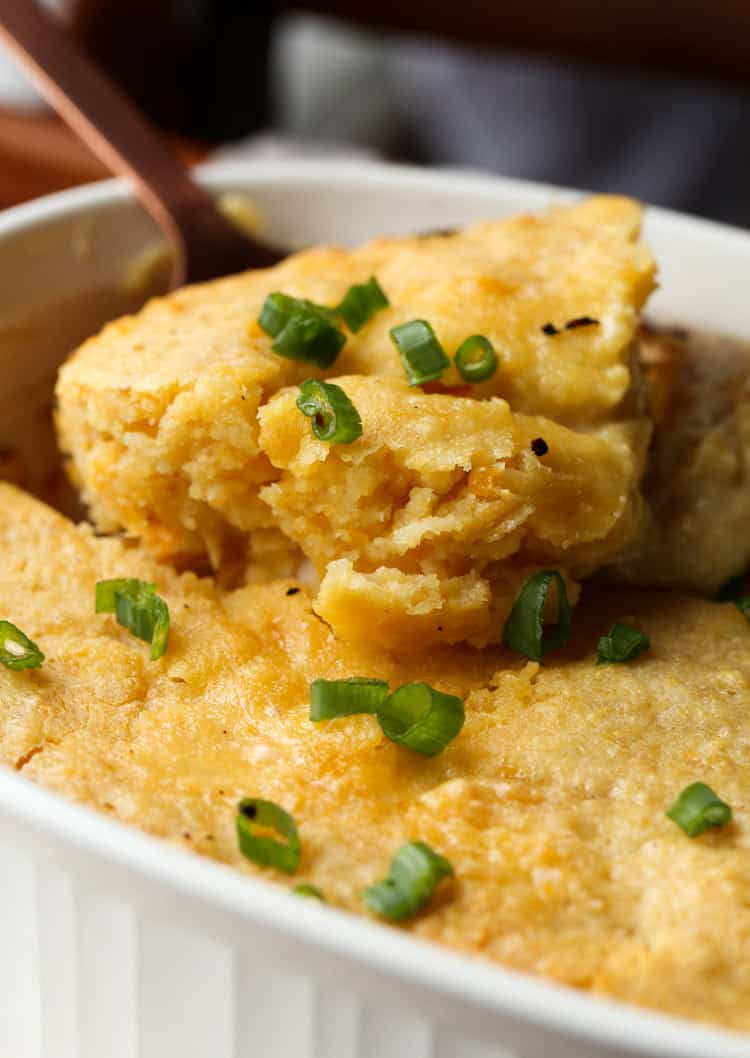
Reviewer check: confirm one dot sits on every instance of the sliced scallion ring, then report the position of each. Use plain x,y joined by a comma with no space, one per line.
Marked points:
310,339
361,302
311,891
421,353
260,824
302,330
278,309
524,629
138,608
17,651
358,694
332,415
421,718
621,643
415,872
476,360
698,809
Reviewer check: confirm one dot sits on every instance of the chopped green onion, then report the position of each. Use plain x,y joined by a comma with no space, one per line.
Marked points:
255,819
421,718
698,808
332,415
17,651
421,353
361,302
107,591
414,874
524,629
138,608
621,643
310,339
302,330
358,694
312,891
476,359
279,309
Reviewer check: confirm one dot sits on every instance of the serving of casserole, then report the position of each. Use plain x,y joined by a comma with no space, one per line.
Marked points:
436,546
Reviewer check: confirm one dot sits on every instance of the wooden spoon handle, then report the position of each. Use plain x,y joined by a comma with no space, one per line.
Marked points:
114,129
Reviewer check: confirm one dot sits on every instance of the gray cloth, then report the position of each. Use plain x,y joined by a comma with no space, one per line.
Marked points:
669,141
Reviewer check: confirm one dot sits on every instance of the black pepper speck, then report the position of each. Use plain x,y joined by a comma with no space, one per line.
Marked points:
581,321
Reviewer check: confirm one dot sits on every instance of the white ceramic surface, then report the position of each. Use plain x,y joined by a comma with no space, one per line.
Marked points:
114,945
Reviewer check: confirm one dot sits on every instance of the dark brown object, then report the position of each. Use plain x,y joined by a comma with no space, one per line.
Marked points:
692,37
206,244
581,321
199,68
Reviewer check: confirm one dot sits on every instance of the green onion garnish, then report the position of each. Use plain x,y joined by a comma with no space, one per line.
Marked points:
138,608
621,643
312,891
698,808
421,718
421,353
17,651
414,874
358,694
361,302
257,821
332,415
279,309
476,359
302,330
524,629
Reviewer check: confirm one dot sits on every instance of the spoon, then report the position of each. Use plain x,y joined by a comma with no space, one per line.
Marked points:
206,244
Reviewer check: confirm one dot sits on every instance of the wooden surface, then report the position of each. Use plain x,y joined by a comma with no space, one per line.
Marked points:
38,155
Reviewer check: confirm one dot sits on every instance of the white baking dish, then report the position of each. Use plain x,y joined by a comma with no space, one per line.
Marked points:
114,945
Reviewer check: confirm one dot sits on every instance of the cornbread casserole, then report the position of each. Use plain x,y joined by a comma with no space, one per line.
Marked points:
580,815
434,529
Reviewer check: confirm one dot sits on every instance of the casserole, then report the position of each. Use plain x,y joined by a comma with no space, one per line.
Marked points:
114,944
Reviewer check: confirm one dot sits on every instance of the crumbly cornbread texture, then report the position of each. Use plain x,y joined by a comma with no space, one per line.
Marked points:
550,803
694,529
425,529
160,415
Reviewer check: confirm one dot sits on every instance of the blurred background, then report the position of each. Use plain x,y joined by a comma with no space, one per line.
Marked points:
636,97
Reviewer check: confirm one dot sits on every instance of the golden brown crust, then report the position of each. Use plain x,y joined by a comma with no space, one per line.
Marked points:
550,803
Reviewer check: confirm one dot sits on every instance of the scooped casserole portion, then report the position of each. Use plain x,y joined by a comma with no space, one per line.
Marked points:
406,589
461,480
